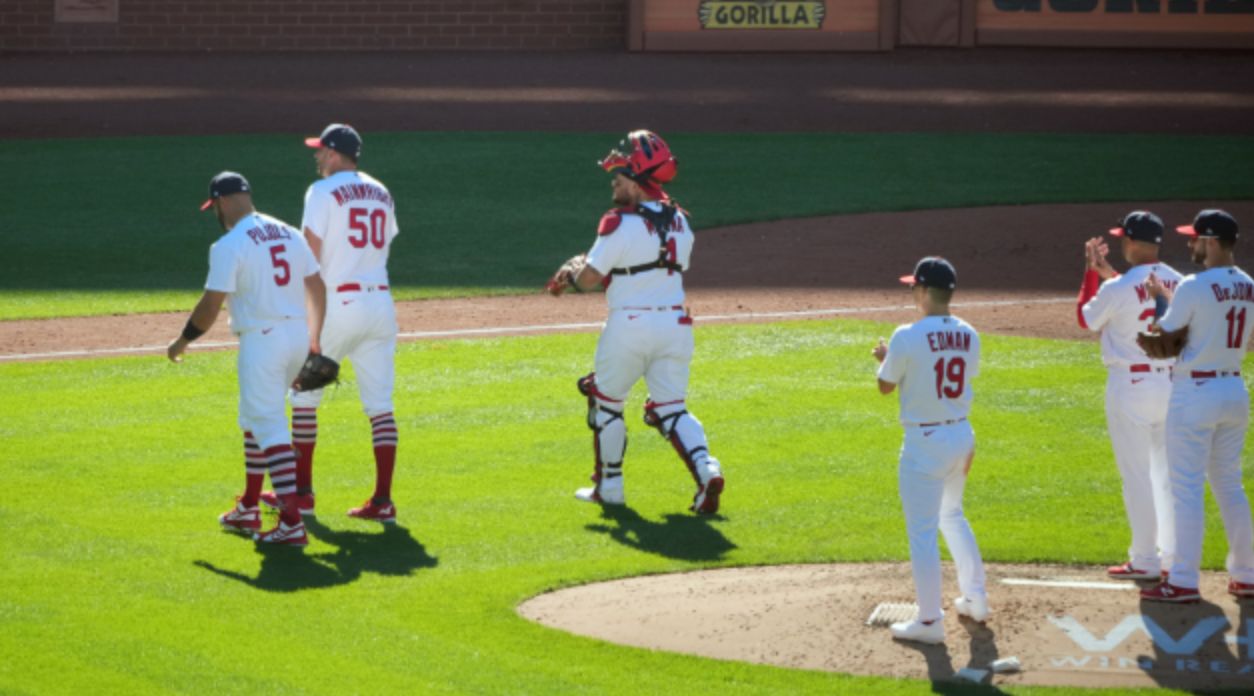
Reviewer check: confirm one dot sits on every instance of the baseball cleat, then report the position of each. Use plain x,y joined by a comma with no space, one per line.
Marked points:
1167,592
304,501
974,609
1241,590
610,496
379,512
1127,572
705,502
921,632
241,518
283,534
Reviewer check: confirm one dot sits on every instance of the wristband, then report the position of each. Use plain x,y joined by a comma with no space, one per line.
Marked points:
574,284
191,333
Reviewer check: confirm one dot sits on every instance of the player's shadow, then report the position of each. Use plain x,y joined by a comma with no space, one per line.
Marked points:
680,536
940,666
393,551
1211,667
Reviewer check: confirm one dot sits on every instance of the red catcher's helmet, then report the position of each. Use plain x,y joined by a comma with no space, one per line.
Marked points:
644,158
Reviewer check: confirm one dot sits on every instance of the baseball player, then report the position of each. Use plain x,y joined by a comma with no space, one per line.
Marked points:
933,361
1208,324
350,222
640,255
269,273
1137,388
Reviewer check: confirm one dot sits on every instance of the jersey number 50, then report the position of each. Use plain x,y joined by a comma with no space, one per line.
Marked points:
950,377
375,234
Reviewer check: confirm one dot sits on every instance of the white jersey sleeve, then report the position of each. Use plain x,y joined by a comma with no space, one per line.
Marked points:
223,265
316,217
932,362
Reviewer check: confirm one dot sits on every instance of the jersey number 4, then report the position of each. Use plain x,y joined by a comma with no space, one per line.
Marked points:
374,233
950,377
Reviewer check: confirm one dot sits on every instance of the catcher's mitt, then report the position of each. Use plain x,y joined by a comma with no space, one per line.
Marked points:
1163,345
317,372
564,278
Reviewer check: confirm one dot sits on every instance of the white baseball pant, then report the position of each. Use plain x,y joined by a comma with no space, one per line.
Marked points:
269,359
1136,412
650,344
931,480
360,326
1206,424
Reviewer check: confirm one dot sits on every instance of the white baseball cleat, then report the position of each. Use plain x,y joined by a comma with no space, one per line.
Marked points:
605,494
974,609
932,632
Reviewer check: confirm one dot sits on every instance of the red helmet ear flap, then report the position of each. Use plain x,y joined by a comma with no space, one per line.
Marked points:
666,171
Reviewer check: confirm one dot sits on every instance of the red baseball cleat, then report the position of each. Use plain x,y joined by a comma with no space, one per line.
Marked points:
241,518
1240,590
304,501
283,534
1127,572
1167,592
705,502
379,512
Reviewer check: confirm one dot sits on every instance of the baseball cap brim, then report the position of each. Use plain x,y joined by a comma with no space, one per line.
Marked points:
907,279
207,204
1187,230
314,142
1117,232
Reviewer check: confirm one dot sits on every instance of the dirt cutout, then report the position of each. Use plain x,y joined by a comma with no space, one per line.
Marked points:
1017,268
1067,626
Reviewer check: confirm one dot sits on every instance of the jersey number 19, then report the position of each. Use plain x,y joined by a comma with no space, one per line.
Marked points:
950,377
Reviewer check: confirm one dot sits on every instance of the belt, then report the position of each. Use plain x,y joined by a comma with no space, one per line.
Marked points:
937,423
1146,367
1208,374
672,308
356,287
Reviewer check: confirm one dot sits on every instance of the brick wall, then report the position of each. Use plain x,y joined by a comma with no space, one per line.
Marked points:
355,25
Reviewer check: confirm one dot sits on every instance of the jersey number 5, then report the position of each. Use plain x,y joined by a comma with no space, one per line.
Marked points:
950,377
374,234
285,275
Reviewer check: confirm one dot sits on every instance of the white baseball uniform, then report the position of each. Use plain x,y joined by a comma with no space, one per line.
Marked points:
262,263
1208,415
354,216
1137,391
649,334
932,362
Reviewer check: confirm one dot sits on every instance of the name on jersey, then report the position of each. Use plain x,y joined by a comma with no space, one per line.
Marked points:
1237,292
268,233
949,340
361,192
1142,295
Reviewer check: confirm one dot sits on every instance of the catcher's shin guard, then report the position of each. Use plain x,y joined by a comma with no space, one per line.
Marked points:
609,435
687,436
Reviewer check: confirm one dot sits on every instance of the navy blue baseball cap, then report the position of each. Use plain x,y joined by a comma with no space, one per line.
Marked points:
340,137
225,184
933,272
1140,226
1212,222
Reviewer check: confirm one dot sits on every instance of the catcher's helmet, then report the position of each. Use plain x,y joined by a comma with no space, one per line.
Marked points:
644,158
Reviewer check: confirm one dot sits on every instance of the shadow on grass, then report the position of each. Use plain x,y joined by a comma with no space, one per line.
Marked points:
683,537
394,551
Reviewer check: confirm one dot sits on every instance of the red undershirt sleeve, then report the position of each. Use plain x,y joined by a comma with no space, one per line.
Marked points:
1088,290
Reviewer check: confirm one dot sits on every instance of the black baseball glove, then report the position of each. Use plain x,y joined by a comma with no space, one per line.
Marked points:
317,372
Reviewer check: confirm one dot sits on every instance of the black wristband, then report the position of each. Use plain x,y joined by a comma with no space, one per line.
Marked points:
571,279
191,333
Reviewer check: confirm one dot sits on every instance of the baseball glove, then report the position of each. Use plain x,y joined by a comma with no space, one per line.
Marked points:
317,372
1163,345
564,278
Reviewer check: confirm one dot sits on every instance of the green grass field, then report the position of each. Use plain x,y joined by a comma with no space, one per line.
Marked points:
117,579
110,226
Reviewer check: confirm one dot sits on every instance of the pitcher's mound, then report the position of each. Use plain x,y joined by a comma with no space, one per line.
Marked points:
1066,625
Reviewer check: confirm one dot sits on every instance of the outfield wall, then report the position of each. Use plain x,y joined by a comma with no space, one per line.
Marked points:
638,25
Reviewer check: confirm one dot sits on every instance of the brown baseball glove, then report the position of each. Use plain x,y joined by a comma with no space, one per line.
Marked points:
317,372
1161,345
564,278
